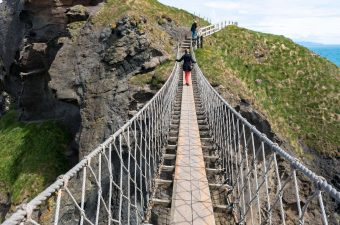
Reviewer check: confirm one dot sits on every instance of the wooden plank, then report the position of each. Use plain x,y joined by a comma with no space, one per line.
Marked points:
191,200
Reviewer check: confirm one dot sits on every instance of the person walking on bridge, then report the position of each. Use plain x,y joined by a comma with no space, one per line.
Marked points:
187,65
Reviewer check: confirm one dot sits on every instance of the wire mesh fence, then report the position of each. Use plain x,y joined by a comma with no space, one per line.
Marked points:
269,186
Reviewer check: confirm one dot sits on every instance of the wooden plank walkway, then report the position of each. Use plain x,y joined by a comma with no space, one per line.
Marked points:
191,201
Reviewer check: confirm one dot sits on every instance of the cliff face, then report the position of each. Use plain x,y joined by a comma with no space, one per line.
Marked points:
30,32
56,64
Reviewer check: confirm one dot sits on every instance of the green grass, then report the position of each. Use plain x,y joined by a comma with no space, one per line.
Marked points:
152,10
156,78
75,27
31,156
297,90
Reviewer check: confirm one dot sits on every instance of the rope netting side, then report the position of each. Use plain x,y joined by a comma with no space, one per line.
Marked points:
115,182
269,186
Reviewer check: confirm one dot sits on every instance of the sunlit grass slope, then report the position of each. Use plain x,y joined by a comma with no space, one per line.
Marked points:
297,90
150,9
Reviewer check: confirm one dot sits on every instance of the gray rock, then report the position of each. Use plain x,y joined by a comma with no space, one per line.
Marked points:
153,63
77,13
5,202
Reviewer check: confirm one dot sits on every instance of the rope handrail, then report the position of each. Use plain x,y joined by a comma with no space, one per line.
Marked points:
251,163
141,140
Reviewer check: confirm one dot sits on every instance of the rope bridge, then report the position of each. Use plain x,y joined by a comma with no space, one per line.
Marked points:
116,183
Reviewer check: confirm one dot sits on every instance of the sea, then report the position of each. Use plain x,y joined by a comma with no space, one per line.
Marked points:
330,52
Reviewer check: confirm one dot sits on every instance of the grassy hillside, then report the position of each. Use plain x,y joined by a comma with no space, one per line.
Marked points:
31,156
297,90
154,11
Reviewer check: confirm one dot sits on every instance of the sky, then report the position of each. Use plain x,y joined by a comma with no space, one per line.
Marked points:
301,20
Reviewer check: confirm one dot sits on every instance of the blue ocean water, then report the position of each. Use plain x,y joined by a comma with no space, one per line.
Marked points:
332,53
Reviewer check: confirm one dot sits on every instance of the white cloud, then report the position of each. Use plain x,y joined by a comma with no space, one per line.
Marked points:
309,20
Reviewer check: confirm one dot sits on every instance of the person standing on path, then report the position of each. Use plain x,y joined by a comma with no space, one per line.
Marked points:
194,30
187,65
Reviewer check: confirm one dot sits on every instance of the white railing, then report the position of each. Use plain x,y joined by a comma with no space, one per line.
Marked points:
211,29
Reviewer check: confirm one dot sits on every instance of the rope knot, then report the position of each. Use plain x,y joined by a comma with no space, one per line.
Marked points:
295,163
28,208
88,159
273,146
320,181
65,180
100,191
82,212
102,147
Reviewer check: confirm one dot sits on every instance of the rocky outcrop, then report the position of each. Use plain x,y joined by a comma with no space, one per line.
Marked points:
5,203
94,71
77,13
78,79
56,64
